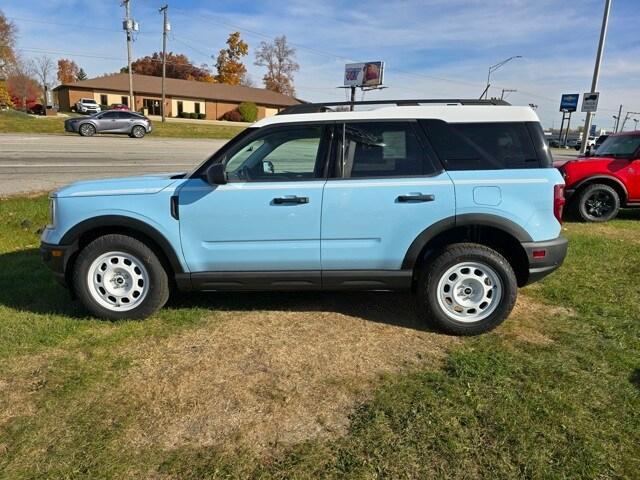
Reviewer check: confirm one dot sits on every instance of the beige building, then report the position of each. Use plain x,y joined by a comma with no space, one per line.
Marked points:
212,100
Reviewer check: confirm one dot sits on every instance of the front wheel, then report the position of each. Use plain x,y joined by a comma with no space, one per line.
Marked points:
87,130
598,203
138,131
118,277
467,289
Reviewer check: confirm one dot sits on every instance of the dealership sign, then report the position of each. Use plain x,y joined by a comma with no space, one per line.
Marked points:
590,102
368,74
569,102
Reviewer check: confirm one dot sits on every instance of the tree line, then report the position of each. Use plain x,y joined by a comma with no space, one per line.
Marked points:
23,82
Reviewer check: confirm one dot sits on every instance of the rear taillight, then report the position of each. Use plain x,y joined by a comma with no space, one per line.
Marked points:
558,201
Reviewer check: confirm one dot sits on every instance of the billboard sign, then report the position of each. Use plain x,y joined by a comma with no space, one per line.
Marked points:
569,102
367,74
590,102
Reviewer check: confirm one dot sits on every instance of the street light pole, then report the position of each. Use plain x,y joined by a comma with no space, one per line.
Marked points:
596,69
128,26
493,68
165,28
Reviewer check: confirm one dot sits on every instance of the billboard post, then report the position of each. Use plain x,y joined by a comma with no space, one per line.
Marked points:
365,75
568,104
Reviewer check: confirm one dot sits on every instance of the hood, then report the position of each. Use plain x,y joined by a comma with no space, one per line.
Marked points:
584,161
139,185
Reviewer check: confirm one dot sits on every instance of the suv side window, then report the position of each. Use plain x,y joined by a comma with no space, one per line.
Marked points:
379,149
125,115
283,154
482,146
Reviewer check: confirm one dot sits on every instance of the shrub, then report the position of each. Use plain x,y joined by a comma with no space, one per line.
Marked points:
194,116
248,111
104,107
185,115
201,116
232,116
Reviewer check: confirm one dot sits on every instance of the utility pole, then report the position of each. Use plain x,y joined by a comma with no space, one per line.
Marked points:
507,90
492,69
596,69
615,128
129,26
627,117
165,30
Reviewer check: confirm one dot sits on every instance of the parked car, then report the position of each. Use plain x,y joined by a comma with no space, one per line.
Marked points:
87,105
591,142
554,143
598,186
36,109
111,121
459,204
119,106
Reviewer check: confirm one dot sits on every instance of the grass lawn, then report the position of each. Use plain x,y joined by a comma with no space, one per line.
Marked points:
18,122
322,385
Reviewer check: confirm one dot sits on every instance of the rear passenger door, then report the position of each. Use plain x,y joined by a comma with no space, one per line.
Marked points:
108,122
383,190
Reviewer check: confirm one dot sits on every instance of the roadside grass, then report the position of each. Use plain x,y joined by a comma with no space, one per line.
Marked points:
322,386
12,121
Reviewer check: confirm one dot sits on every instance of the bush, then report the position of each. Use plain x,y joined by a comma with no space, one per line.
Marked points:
248,111
232,116
185,115
104,107
194,116
201,116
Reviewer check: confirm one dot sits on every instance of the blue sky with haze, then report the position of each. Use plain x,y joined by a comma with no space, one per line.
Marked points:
432,48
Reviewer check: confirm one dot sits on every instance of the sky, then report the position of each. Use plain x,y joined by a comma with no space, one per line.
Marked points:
431,48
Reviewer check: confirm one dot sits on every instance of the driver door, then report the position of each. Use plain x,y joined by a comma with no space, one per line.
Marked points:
266,218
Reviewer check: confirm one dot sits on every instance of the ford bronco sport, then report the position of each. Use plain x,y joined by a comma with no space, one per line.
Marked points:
455,200
599,185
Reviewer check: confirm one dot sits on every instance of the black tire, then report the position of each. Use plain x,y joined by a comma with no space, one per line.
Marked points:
138,132
450,257
157,285
87,130
598,203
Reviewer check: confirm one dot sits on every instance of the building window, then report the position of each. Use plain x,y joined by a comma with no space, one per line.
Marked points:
197,107
124,100
103,100
180,108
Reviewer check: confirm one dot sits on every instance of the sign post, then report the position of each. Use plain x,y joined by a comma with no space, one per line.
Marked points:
366,75
568,104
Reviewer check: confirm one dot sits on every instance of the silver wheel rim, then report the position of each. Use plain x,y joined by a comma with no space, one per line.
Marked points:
137,132
86,130
118,281
469,291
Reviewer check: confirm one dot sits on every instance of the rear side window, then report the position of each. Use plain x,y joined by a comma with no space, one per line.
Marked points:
483,146
380,149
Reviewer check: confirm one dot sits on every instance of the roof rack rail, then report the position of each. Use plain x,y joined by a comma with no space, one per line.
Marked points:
325,106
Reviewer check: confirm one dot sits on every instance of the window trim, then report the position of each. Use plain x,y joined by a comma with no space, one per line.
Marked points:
430,162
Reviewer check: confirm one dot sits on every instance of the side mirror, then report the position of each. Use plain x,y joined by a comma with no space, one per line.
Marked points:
216,174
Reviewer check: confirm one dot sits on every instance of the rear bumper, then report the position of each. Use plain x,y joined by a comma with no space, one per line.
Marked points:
56,257
540,266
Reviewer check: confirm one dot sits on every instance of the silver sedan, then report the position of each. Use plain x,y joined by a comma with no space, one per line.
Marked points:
112,121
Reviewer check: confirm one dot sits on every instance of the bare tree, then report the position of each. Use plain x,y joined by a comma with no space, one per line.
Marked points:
43,67
279,58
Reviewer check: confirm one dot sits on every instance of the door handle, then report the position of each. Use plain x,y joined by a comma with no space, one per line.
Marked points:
290,200
416,197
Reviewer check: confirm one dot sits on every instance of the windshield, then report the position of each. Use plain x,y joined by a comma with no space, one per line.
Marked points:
88,101
623,146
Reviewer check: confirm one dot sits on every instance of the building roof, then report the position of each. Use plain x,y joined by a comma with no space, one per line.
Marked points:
448,113
146,84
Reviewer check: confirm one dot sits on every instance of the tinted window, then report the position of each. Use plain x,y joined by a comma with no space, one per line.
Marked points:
622,146
126,115
110,115
380,149
477,146
283,154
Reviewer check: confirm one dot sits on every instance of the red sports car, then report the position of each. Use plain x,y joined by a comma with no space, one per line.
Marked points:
119,106
599,185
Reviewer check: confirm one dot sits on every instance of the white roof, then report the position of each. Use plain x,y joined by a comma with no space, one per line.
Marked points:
448,113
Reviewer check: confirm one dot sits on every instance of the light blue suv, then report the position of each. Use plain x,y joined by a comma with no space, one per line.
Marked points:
454,200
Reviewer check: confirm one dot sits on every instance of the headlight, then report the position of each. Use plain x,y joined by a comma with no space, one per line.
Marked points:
52,213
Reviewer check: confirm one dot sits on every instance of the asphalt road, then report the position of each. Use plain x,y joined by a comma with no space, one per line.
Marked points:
31,163
35,163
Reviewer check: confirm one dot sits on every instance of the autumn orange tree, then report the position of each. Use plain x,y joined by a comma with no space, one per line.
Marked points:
67,71
178,66
230,68
8,33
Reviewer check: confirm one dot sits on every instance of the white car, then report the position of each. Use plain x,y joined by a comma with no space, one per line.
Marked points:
87,105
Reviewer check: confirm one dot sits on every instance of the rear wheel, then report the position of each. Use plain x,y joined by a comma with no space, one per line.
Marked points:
87,130
598,203
118,277
467,289
138,131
